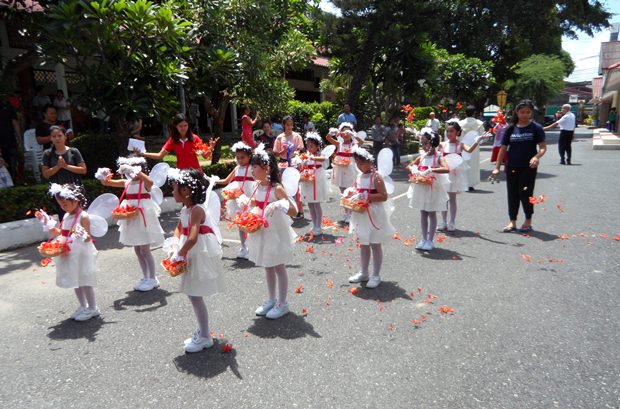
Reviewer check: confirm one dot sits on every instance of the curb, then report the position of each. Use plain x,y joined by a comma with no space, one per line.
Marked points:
25,232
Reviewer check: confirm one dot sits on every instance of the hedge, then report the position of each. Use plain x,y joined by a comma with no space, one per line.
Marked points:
323,115
16,201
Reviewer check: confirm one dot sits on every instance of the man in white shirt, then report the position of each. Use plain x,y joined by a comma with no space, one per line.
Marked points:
433,123
567,133
467,125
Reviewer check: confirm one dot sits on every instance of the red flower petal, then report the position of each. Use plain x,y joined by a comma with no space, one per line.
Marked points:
354,290
227,348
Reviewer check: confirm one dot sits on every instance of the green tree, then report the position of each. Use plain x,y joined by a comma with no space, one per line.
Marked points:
539,77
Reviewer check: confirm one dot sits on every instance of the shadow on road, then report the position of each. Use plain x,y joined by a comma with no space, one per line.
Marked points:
20,259
70,329
387,291
458,234
291,326
209,362
440,253
150,300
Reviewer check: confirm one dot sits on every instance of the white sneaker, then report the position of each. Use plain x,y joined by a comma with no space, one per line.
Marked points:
373,282
139,284
77,312
147,284
277,311
265,308
420,245
243,253
358,278
442,227
197,343
428,246
317,231
87,314
347,218
451,227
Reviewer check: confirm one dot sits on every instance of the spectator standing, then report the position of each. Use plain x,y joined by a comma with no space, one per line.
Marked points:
567,125
433,122
247,123
347,115
63,109
378,133
43,130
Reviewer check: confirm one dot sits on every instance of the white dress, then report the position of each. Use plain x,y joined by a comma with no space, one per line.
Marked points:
133,231
316,191
242,180
458,177
205,272
79,266
344,176
273,245
473,175
430,198
372,226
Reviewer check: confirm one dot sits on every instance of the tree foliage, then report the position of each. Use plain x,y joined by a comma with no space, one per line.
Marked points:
539,77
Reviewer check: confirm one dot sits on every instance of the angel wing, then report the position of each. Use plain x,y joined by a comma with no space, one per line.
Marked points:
290,181
157,195
362,135
389,184
385,162
327,152
213,210
99,210
159,174
468,139
98,226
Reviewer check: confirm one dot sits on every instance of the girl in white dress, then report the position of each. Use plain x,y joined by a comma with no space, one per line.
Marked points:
77,267
239,178
459,181
199,246
143,230
343,176
372,227
429,198
315,191
272,245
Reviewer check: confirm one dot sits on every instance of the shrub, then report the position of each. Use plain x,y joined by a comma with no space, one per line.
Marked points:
324,114
98,151
422,112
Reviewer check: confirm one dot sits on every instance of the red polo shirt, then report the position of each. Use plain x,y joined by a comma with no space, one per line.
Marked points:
186,157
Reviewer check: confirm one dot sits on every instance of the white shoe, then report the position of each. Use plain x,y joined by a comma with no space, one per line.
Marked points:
243,253
420,245
265,308
373,282
87,314
442,227
358,278
77,312
139,284
317,231
451,227
277,311
428,245
347,218
147,284
197,343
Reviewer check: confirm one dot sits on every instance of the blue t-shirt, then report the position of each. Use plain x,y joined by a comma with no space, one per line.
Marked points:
347,118
522,144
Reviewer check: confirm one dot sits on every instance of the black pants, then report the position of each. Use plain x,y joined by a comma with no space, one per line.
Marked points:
564,144
520,186
376,147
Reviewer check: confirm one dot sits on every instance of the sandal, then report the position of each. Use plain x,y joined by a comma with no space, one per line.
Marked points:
526,229
509,229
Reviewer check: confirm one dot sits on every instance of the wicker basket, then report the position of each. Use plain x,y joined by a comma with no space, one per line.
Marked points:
306,177
357,206
174,269
231,194
421,180
341,162
121,213
52,249
254,227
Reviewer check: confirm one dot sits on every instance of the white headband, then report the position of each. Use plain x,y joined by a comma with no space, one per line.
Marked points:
315,137
346,125
240,146
262,153
363,153
66,192
133,161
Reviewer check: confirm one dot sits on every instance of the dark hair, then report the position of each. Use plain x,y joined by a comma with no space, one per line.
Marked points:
56,127
265,121
61,91
455,125
470,110
78,191
525,103
432,137
48,106
360,157
274,172
286,119
347,103
377,116
144,165
176,135
314,141
196,185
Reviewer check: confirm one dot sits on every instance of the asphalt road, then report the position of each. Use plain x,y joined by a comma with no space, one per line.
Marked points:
535,323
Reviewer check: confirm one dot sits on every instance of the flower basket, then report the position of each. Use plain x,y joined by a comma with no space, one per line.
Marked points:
124,212
340,161
307,175
174,268
232,194
283,165
249,222
421,180
53,249
358,206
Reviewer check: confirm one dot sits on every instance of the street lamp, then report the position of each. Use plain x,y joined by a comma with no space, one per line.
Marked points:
501,98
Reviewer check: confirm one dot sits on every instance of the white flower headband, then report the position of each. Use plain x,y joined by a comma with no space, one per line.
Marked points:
315,137
359,151
132,161
262,154
346,125
241,146
185,179
68,192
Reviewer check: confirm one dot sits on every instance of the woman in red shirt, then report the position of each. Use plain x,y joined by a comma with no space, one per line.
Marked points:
181,143
247,123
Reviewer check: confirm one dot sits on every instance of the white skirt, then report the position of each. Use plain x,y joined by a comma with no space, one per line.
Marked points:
379,230
430,198
78,268
474,168
344,176
307,189
205,272
273,245
134,233
459,179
